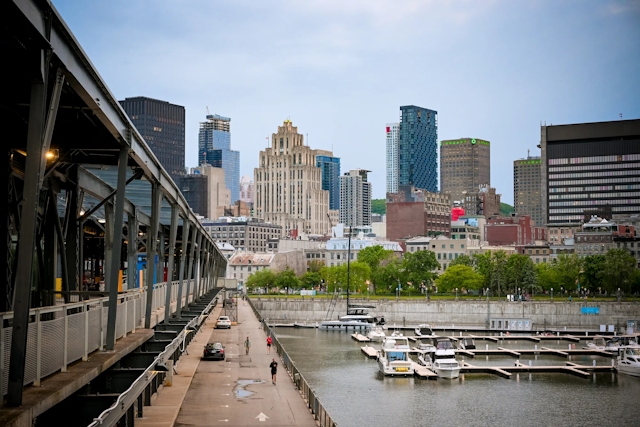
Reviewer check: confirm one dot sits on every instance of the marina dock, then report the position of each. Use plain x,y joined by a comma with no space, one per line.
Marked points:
360,337
369,351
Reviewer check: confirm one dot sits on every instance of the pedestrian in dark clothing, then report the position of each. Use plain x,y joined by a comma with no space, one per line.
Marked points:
274,371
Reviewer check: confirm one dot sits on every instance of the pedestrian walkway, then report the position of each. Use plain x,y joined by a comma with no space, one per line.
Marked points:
234,392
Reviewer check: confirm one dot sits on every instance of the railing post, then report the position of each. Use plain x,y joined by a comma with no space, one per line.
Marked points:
125,302
65,343
36,382
101,325
135,297
85,354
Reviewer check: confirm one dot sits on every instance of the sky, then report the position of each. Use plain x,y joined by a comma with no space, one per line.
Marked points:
340,70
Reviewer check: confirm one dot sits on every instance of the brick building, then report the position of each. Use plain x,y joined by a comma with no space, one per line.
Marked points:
413,212
514,230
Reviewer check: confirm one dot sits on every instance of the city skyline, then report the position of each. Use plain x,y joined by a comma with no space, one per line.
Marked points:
494,69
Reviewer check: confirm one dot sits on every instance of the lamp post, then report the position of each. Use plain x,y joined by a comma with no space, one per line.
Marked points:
488,310
456,294
618,294
551,294
519,295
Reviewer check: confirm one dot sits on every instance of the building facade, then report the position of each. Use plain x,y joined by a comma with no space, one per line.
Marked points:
590,169
527,196
288,185
598,234
418,148
330,167
464,166
218,195
448,250
214,148
413,212
195,189
483,201
355,198
162,125
244,234
393,148
246,190
517,230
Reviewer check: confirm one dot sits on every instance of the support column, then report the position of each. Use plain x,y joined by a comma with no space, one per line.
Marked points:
195,236
160,254
74,262
39,135
183,255
173,231
152,244
46,284
111,280
132,250
108,244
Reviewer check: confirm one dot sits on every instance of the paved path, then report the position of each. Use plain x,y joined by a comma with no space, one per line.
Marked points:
234,392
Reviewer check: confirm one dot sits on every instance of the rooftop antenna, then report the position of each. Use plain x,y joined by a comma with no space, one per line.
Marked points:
208,114
620,116
528,153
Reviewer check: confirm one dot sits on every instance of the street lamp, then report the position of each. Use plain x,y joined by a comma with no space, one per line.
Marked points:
618,294
519,295
456,294
488,310
551,294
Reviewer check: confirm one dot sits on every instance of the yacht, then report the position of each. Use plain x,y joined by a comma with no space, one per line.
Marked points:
444,360
597,343
426,346
467,344
347,325
423,330
376,334
613,344
628,362
393,358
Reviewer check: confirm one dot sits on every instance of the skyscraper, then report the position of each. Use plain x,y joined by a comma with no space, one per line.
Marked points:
464,166
355,198
393,145
418,148
590,169
330,167
288,185
214,148
161,124
527,199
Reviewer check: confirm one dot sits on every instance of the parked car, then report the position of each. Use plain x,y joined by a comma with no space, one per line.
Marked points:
223,322
213,351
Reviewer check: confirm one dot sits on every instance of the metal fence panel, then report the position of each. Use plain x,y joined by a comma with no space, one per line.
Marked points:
52,344
75,336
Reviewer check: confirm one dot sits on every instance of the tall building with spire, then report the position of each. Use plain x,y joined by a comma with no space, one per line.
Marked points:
214,148
288,185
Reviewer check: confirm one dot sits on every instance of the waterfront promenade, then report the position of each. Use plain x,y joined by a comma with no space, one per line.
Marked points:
234,392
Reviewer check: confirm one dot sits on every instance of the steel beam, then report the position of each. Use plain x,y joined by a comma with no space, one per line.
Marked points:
173,231
183,255
194,243
132,251
112,278
152,238
74,262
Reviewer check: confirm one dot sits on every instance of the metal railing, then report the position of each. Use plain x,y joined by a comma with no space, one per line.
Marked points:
62,334
308,394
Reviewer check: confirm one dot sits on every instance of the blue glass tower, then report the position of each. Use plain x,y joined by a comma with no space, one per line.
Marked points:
418,151
330,167
214,148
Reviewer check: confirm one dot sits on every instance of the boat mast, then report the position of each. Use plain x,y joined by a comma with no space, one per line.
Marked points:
348,268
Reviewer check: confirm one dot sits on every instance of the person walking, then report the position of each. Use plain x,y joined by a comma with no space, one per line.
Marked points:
269,341
274,370
247,346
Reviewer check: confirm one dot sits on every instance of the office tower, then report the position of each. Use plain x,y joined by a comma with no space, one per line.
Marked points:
330,167
464,166
412,212
355,198
194,188
218,195
161,124
288,185
393,145
590,169
527,198
246,189
214,148
418,148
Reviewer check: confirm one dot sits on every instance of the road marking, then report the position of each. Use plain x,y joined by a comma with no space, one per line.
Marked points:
262,417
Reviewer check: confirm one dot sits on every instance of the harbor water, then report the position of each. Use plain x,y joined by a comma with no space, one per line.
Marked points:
355,393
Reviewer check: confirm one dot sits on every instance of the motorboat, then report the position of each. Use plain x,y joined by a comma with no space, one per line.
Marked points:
349,325
613,344
445,364
393,358
628,361
376,334
423,330
467,344
426,346
305,324
396,333
597,343
361,314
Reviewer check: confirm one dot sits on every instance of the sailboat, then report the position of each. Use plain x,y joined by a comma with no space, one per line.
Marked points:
357,317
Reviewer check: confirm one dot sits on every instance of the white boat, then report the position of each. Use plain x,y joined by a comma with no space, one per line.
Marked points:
628,362
426,347
423,329
305,324
597,343
376,334
444,360
424,359
467,344
396,333
349,325
613,344
393,358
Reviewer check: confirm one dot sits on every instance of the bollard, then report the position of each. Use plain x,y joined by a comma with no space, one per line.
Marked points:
487,346
569,346
558,333
460,333
168,379
612,362
535,347
594,363
529,363
518,362
587,333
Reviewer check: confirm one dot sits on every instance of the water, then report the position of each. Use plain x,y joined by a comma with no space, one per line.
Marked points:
355,393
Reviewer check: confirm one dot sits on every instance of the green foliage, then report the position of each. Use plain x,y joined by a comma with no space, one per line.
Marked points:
515,269
462,260
592,272
261,279
505,209
568,269
461,277
619,269
547,276
374,255
419,267
311,279
387,276
316,265
379,206
287,279
336,277
498,272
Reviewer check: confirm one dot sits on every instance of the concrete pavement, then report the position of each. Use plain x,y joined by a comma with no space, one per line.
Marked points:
234,392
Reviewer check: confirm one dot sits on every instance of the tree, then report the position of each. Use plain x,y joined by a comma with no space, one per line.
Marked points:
373,256
419,267
482,264
287,279
568,268
592,272
336,277
619,267
316,265
498,271
261,279
311,279
462,260
514,270
459,276
530,277
387,276
547,276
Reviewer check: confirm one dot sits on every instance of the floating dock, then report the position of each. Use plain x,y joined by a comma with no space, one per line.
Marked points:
369,351
360,337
